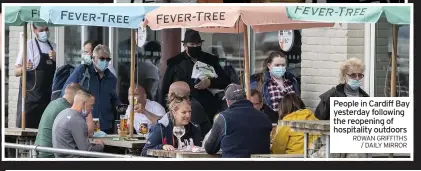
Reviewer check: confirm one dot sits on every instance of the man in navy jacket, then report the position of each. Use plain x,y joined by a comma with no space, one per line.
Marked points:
101,83
241,130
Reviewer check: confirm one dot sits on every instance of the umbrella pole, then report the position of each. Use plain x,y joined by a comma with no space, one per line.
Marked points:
23,85
394,65
246,62
132,71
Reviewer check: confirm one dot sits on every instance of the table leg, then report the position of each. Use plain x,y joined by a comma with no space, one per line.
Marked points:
327,146
305,145
17,150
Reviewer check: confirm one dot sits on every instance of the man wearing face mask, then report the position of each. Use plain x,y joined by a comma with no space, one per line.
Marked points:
41,66
351,75
102,84
70,130
180,68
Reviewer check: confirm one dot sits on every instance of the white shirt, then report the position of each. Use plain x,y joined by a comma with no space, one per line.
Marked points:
32,53
151,106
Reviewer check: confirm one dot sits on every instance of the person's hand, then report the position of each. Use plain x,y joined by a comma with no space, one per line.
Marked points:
100,142
167,147
29,65
203,84
52,55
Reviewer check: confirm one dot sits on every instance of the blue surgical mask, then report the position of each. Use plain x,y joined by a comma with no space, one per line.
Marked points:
102,65
43,36
84,113
87,59
354,84
278,72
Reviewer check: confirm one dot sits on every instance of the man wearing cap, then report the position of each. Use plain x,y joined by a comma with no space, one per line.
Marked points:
241,130
180,68
40,69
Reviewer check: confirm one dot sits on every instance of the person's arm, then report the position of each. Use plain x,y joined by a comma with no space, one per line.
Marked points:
157,112
154,140
90,124
322,110
280,141
79,132
213,143
115,99
222,81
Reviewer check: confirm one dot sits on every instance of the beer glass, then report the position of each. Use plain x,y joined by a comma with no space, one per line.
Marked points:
96,124
123,125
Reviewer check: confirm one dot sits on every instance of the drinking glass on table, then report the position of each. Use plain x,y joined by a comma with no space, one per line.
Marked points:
143,128
123,125
178,132
96,124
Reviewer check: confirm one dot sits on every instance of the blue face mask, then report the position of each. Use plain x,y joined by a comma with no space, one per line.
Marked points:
102,65
43,36
354,84
278,72
87,59
84,113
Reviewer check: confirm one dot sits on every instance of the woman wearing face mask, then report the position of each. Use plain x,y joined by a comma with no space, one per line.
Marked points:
275,82
351,75
101,84
161,136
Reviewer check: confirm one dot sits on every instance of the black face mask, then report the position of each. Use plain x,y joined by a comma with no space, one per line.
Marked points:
194,52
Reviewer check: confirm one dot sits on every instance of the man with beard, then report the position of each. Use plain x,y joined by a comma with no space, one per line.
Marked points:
180,68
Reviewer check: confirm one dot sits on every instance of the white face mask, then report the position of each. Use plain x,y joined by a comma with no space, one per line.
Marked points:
43,36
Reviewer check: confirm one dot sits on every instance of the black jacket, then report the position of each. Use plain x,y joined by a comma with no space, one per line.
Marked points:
179,68
161,134
273,116
240,131
323,109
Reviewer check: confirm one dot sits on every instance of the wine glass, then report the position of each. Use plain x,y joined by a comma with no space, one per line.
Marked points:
178,132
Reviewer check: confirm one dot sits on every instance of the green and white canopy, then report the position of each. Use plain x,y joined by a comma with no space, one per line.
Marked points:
20,15
351,14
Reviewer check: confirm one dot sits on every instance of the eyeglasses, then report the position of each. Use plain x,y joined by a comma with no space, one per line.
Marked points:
355,75
108,59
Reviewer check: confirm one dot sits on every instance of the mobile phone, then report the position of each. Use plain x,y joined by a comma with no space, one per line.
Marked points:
197,81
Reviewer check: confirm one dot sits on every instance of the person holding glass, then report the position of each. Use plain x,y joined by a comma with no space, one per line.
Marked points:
275,81
179,130
351,75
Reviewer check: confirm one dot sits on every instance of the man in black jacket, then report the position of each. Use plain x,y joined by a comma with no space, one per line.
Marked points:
241,130
179,68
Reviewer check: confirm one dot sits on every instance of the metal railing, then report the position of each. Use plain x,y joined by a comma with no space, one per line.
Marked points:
66,151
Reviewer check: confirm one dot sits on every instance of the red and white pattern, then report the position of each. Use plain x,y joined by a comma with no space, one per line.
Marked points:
277,92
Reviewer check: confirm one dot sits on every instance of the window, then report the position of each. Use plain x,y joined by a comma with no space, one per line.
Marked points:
383,38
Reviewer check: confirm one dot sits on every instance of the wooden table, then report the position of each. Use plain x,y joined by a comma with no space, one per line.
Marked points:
25,136
131,147
181,154
310,127
277,156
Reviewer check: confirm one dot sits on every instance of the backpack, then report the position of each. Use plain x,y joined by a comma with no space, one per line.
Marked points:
61,76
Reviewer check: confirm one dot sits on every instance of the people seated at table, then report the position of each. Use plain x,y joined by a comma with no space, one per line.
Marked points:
275,81
241,130
147,112
70,130
198,115
350,78
285,140
44,135
257,100
161,136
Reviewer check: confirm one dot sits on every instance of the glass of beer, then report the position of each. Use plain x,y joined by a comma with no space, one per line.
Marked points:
96,124
143,129
123,125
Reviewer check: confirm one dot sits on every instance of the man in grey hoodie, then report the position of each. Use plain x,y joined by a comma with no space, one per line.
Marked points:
70,130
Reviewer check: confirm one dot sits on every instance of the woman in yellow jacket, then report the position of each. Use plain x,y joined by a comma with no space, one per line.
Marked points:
285,140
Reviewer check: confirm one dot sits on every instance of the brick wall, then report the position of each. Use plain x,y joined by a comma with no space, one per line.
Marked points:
383,32
13,89
323,51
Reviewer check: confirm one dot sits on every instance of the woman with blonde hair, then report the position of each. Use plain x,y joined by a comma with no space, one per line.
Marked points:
286,141
351,75
161,135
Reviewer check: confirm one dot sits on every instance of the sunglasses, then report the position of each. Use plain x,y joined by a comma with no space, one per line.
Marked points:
355,75
108,59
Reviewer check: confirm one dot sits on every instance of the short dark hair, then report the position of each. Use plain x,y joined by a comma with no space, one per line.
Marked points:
94,43
257,92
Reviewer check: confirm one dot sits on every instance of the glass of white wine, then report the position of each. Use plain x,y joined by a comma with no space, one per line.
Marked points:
178,132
